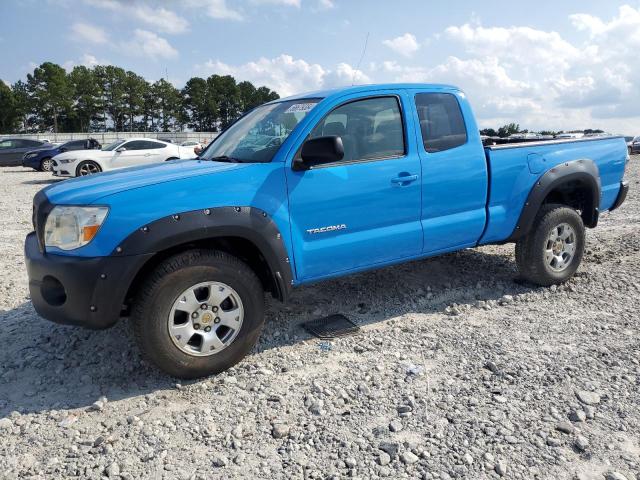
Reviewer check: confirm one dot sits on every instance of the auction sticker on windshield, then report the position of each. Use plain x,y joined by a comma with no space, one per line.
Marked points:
300,107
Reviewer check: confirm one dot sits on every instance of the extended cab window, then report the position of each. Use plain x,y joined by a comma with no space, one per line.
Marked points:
370,128
441,121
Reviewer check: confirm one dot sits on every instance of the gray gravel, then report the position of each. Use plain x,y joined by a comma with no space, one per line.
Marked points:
458,372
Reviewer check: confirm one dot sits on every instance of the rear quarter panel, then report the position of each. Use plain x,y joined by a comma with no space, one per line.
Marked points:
512,178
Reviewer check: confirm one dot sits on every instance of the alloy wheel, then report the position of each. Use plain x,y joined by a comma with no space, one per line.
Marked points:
205,318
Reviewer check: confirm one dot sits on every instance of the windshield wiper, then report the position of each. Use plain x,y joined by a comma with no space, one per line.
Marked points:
225,158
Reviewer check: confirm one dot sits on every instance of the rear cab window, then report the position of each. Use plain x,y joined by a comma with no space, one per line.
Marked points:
441,121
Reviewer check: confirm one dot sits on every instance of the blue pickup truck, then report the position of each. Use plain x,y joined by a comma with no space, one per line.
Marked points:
301,190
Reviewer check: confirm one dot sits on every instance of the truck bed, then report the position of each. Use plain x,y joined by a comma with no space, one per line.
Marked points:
515,168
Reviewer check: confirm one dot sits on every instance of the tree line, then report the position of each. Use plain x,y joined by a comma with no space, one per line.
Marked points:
109,98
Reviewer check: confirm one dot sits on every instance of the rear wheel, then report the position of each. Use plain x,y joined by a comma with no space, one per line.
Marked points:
199,313
552,251
88,167
46,165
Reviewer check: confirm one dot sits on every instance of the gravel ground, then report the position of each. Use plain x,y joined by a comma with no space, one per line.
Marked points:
458,372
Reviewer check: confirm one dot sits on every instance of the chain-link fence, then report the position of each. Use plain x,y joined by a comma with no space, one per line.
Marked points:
108,137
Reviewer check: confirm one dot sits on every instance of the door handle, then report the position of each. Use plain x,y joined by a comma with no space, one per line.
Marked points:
403,180
147,154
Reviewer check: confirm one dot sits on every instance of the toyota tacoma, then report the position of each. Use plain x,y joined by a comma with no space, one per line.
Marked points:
301,190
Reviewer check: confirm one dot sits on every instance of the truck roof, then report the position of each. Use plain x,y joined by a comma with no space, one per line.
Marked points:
369,88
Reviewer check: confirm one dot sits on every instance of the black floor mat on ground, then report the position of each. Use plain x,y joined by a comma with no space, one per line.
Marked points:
331,327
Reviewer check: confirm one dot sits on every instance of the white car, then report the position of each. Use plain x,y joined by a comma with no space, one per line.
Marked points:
120,154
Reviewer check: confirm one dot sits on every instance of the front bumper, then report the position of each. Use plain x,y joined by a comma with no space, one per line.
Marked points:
63,169
89,292
31,162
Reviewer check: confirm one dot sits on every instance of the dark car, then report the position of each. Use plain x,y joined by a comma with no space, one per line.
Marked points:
41,159
634,146
13,149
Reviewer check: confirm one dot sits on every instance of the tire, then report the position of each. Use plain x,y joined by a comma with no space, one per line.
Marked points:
157,315
46,165
87,167
546,261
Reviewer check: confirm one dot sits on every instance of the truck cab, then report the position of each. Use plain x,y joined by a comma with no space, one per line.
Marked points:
300,190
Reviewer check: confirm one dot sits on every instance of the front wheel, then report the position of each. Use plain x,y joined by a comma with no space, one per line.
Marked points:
46,165
199,313
552,251
87,167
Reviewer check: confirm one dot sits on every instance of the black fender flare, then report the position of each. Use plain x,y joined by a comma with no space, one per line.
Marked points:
584,171
249,223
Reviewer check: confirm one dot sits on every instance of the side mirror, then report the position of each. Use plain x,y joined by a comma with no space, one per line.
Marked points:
319,151
121,149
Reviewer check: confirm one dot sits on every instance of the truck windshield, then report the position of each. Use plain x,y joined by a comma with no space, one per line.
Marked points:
257,136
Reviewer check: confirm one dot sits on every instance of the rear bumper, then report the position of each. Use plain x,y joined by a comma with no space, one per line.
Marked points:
622,195
89,292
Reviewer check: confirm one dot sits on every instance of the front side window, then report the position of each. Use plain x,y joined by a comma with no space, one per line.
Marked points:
75,145
113,146
257,136
370,129
441,121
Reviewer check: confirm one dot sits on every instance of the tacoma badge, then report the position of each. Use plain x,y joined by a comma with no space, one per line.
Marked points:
330,228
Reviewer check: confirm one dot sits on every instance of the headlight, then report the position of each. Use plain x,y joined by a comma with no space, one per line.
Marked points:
66,160
73,227
31,155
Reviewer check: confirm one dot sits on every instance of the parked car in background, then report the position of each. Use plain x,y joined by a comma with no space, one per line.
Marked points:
191,143
119,154
566,136
634,145
197,146
42,159
12,150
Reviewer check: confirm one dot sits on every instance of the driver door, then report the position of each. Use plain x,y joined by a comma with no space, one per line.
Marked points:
132,155
364,210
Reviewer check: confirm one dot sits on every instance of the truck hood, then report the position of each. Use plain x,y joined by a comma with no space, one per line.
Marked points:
87,190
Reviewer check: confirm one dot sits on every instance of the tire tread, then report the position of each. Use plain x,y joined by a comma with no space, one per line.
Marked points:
188,258
529,258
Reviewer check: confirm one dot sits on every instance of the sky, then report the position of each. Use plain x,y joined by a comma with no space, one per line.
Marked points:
557,65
